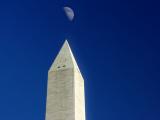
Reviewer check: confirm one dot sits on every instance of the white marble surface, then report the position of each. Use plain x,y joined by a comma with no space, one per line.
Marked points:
65,94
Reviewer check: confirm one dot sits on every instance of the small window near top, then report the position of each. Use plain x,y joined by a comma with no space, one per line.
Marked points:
64,65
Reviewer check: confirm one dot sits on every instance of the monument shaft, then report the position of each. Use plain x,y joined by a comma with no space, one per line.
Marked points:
65,92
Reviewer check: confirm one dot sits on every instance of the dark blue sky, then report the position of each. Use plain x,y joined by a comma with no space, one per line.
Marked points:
116,44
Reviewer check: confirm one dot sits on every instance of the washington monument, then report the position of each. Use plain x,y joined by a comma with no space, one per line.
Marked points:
65,91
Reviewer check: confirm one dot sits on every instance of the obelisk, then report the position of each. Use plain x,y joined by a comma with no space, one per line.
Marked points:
65,91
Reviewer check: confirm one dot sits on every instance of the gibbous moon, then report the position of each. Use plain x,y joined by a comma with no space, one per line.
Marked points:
69,13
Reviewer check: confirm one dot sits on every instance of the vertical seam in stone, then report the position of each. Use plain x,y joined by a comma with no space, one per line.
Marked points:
74,92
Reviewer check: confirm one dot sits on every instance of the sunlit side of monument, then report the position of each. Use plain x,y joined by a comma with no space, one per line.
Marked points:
65,91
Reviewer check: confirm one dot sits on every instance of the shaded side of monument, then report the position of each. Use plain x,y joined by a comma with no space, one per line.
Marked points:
65,90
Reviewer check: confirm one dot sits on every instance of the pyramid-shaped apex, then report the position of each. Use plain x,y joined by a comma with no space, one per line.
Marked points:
66,43
64,59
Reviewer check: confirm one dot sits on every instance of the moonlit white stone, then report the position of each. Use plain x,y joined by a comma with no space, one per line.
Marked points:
65,92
